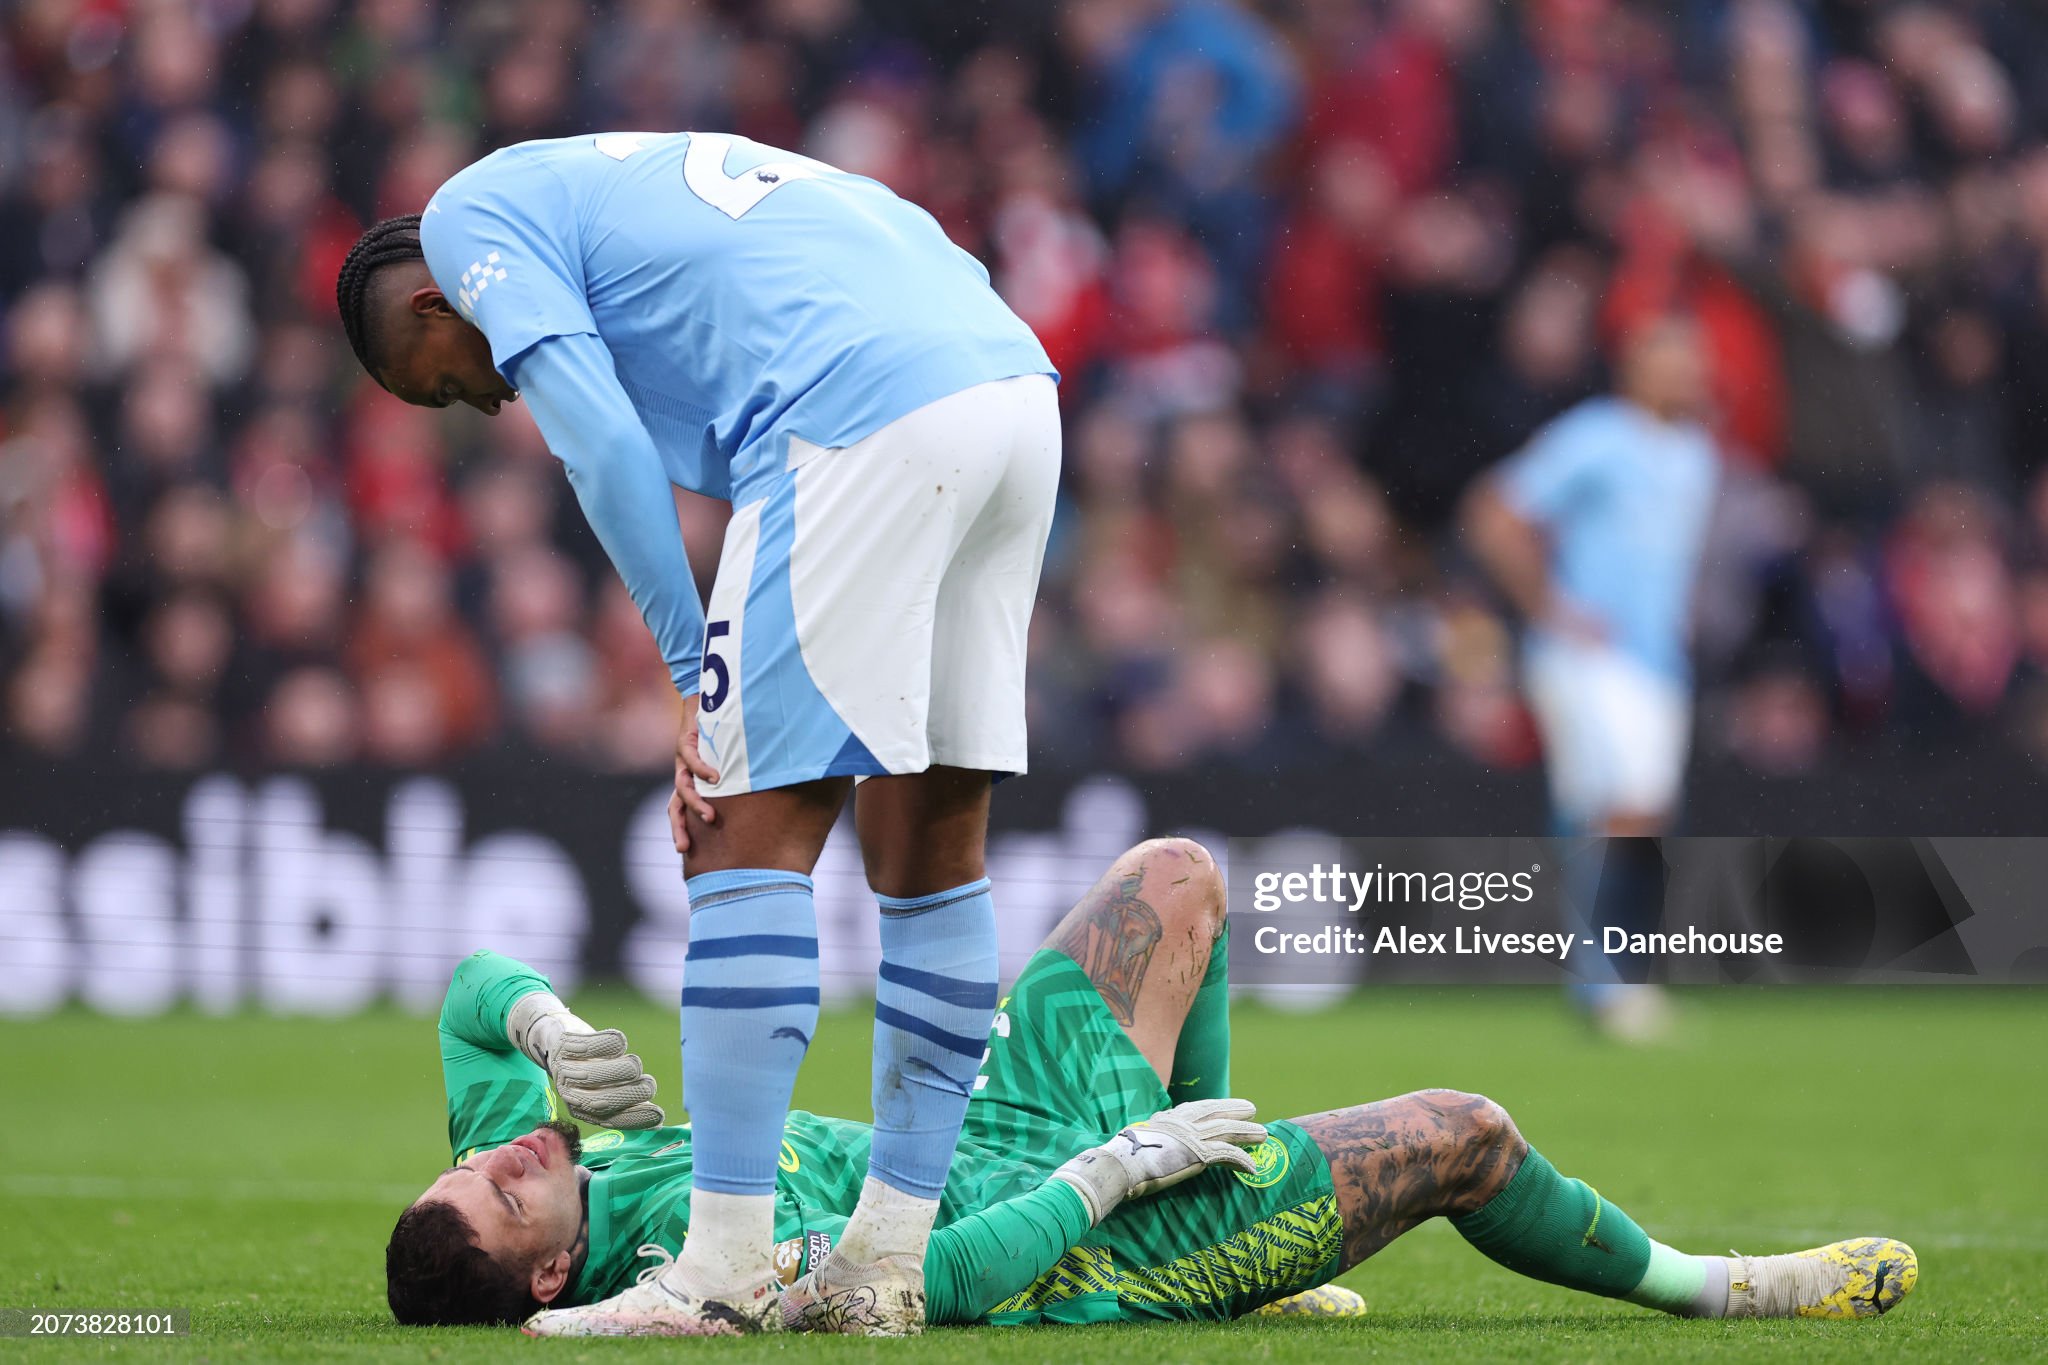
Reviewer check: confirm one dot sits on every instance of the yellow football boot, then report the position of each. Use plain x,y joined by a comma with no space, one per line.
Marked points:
1860,1278
1324,1301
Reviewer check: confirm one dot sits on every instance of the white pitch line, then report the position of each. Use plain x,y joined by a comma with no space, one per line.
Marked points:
235,1189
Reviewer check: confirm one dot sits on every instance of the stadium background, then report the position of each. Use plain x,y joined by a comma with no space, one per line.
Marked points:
303,691
1308,266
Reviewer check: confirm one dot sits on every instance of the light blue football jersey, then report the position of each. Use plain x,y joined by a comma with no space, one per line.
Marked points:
747,295
1625,500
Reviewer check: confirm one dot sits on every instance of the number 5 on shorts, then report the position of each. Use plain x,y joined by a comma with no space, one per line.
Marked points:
717,674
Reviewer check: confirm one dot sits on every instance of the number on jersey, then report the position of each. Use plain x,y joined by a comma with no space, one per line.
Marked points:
704,170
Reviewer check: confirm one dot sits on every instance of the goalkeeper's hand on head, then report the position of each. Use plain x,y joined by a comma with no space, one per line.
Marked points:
598,1079
1171,1146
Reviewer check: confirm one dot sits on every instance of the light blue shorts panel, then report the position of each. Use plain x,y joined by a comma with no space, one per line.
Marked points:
871,608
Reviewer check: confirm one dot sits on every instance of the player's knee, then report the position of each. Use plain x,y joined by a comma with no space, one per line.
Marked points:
1195,895
1477,1148
1477,1122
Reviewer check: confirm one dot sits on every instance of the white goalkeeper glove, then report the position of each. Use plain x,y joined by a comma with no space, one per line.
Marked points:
599,1081
1171,1146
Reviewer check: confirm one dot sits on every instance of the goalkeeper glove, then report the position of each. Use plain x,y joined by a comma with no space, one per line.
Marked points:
1171,1146
599,1081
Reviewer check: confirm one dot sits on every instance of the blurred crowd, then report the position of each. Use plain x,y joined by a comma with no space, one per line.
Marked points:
1309,267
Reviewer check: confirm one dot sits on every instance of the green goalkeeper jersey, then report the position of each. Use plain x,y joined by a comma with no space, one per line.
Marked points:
1010,1246
638,1194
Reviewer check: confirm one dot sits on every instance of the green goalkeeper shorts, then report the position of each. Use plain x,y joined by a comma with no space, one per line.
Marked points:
1063,1076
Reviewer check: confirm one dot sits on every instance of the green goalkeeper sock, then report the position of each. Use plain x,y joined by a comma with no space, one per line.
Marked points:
1550,1227
1553,1228
1201,1056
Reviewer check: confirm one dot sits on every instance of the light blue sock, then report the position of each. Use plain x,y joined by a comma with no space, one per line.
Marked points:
1593,980
934,1001
750,1005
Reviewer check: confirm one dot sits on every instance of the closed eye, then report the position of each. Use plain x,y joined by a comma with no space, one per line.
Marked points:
513,1204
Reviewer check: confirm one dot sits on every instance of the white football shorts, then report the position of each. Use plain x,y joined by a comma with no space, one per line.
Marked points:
870,610
1615,732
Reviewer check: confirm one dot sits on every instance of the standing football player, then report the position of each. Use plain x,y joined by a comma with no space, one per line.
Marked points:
700,311
1596,531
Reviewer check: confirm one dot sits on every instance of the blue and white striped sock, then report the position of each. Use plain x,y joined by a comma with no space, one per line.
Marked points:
750,1006
933,1004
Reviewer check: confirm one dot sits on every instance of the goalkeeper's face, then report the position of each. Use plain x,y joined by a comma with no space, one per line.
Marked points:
525,1202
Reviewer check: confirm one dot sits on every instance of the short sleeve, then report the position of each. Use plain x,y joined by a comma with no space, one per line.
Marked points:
1556,468
501,240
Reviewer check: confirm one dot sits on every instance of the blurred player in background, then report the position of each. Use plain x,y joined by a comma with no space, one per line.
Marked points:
1078,1196
703,312
1594,531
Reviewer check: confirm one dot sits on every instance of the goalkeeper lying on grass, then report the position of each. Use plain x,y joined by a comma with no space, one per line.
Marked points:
1072,1197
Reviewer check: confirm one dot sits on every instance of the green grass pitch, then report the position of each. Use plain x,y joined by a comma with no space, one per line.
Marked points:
250,1170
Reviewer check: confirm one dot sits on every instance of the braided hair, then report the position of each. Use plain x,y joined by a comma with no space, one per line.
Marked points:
388,242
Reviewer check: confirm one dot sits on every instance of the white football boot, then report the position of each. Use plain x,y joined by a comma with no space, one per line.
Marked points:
659,1306
885,1299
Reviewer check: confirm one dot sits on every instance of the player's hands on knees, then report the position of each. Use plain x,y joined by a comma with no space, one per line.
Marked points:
1171,1146
598,1079
691,767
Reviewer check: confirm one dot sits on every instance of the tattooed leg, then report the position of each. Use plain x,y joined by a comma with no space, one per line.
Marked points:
1442,1153
1143,934
1397,1162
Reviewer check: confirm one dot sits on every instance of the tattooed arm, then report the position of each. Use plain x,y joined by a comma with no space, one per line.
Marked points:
1400,1161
